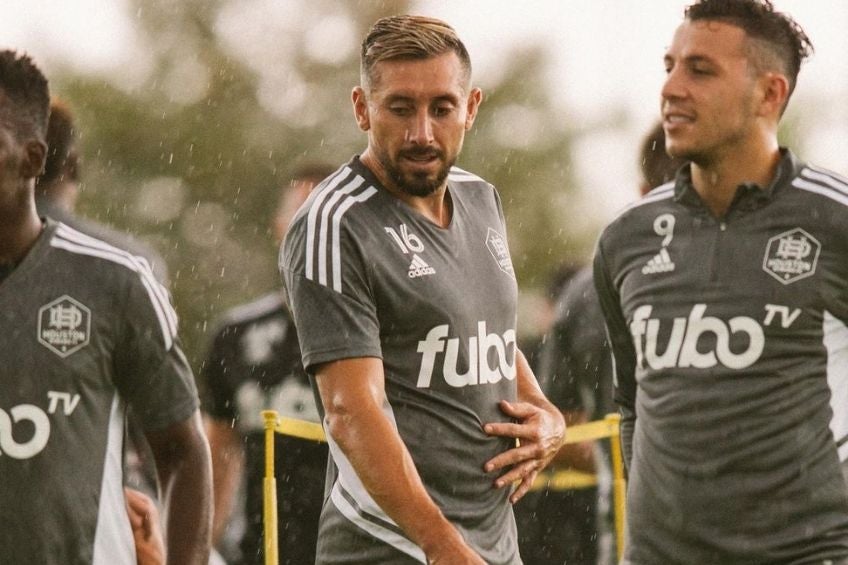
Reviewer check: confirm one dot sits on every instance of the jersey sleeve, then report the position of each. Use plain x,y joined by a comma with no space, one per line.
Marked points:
333,309
151,370
623,351
218,397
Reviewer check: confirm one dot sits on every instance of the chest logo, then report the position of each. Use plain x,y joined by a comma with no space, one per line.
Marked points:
64,326
791,256
411,243
661,262
500,251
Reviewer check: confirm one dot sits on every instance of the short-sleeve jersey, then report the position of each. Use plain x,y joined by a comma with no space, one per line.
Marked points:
253,365
86,328
717,327
367,276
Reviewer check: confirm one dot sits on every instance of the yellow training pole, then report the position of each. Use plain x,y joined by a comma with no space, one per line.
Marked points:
618,484
269,491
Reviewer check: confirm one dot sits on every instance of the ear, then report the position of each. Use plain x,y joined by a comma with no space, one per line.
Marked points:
34,156
360,108
775,92
475,98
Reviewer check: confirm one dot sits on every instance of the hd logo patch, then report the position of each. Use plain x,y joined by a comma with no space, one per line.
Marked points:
64,326
500,251
791,256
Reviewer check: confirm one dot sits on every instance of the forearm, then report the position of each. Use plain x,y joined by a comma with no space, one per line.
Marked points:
626,429
227,465
529,390
184,467
383,464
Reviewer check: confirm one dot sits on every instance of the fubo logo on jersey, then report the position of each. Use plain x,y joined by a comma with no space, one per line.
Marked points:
64,325
791,256
480,348
17,447
683,349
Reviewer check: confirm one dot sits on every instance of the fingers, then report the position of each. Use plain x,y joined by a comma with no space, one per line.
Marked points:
517,473
520,410
512,457
524,487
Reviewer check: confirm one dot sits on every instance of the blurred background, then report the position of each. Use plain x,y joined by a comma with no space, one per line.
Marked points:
193,113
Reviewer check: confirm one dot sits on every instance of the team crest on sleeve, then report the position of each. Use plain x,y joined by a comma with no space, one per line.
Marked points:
64,325
791,256
500,251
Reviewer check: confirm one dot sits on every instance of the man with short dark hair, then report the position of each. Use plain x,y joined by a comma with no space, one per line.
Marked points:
715,290
403,293
253,365
87,329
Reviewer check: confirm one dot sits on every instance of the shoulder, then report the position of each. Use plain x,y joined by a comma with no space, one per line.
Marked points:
471,184
822,182
87,249
652,203
118,272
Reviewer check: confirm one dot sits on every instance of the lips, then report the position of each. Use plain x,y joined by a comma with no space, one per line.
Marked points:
672,118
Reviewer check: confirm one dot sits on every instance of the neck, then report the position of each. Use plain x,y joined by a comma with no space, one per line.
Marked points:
716,181
20,227
436,207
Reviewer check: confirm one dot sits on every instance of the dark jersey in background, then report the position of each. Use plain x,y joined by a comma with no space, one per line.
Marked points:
253,365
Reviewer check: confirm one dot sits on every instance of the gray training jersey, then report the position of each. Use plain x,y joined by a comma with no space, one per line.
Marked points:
717,327
369,277
85,328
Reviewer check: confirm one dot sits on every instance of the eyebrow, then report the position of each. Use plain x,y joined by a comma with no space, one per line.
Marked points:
406,98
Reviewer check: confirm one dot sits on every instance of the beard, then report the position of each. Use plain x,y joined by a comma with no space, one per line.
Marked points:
416,184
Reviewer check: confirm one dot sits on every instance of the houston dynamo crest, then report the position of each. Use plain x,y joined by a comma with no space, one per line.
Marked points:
791,256
64,325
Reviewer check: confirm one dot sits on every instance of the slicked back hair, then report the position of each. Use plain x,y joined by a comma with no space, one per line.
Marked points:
778,43
25,95
409,37
61,163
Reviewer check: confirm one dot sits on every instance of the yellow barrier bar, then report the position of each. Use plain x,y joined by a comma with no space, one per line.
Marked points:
599,429
300,429
269,491
618,485
567,479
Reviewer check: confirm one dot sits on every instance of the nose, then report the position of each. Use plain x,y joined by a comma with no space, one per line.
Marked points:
674,85
420,131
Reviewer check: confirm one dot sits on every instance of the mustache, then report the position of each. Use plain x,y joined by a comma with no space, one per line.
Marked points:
419,152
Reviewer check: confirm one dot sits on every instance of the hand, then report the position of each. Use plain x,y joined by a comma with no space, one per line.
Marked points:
540,431
147,531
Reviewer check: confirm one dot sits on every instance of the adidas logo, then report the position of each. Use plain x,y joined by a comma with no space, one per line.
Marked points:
661,263
419,268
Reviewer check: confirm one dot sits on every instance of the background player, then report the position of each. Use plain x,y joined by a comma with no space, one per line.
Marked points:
575,373
253,365
403,293
57,189
715,291
87,328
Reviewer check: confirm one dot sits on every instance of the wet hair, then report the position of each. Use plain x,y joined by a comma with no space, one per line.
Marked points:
24,94
409,37
779,42
657,166
62,159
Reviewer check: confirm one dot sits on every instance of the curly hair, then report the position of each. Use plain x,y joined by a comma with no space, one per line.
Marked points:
409,37
25,95
781,39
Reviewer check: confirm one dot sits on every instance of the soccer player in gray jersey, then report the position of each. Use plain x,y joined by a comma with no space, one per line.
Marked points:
86,329
715,290
403,294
